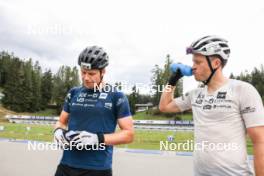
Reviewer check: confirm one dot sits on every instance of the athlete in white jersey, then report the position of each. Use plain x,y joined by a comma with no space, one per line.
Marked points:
224,112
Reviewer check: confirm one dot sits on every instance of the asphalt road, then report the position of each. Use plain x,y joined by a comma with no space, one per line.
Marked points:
17,160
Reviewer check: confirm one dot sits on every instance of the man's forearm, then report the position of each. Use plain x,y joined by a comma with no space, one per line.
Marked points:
60,125
259,159
63,120
120,137
166,97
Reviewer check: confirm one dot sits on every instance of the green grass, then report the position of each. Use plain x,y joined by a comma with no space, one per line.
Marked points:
19,131
249,146
149,140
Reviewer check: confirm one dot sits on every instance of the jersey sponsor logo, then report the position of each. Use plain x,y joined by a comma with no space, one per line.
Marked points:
210,101
88,105
248,110
199,99
196,105
223,106
120,101
95,95
89,95
91,100
108,105
80,100
82,95
103,96
223,101
82,104
221,95
208,107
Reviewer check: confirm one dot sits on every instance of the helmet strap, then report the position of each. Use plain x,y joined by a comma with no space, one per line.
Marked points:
212,70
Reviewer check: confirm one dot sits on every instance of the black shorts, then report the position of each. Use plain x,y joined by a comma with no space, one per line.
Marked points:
64,170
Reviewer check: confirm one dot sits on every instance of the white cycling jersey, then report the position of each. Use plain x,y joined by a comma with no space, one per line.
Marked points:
220,122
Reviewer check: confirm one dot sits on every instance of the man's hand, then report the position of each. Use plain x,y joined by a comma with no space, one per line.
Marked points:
85,138
60,138
178,71
174,78
71,134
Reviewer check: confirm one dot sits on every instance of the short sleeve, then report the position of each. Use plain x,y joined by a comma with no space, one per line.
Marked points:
67,101
122,105
251,106
184,102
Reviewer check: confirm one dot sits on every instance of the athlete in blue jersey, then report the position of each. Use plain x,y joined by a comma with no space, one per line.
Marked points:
86,127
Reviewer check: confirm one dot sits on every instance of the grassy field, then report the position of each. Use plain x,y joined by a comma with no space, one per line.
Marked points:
19,131
144,139
151,139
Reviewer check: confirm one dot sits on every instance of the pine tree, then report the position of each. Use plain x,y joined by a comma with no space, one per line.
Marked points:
65,79
132,98
46,89
160,78
5,63
13,91
27,86
75,80
157,83
36,85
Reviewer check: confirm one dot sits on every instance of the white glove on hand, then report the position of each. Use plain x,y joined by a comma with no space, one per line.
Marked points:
85,139
60,138
69,135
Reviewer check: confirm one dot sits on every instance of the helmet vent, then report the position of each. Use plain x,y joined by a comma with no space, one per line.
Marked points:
96,52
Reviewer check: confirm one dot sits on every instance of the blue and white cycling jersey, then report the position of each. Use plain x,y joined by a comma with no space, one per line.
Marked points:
95,112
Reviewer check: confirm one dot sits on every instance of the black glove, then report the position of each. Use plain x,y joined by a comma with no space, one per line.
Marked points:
174,78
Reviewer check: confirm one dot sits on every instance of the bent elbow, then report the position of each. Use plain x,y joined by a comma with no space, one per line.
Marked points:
162,108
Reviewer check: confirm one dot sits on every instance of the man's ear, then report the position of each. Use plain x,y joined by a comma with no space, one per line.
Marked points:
103,72
217,62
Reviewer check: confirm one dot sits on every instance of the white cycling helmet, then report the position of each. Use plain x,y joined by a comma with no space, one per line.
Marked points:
209,46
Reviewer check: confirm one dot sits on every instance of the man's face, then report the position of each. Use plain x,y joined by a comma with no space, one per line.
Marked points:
201,70
91,78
